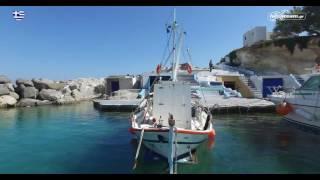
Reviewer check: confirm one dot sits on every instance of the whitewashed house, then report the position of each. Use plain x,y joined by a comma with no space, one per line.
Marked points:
255,35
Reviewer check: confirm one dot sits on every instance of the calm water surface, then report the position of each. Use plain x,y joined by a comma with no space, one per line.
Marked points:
80,139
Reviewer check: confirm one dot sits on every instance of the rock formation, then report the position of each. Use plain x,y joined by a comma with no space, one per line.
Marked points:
281,56
38,92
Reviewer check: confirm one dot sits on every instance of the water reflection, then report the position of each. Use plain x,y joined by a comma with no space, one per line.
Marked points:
80,139
7,118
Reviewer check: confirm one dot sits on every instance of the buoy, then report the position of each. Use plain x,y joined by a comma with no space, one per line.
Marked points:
284,108
189,69
158,69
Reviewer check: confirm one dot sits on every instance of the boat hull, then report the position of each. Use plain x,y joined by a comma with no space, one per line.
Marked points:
305,115
306,109
157,140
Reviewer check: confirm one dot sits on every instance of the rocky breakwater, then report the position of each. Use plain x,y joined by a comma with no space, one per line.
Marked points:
38,92
8,97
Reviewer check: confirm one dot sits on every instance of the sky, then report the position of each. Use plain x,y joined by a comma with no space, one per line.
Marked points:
71,42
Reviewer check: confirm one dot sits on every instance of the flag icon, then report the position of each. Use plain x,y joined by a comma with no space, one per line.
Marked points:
18,15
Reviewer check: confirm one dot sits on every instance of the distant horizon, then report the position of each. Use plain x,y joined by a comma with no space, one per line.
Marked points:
64,43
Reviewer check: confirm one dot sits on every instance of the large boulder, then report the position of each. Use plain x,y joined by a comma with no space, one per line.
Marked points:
73,86
29,92
66,91
4,79
76,95
56,86
4,89
27,83
7,101
100,89
14,95
50,94
10,87
26,102
86,88
42,83
67,99
19,89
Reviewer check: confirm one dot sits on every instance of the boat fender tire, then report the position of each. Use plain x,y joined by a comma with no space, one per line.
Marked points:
189,69
158,69
284,108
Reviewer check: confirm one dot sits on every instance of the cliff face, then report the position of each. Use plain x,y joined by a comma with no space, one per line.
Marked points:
282,56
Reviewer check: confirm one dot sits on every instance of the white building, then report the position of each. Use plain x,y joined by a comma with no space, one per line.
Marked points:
255,35
115,83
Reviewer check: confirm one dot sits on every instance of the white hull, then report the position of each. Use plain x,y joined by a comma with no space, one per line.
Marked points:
305,102
157,141
306,111
306,107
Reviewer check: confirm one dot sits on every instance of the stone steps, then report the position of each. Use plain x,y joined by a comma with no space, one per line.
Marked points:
256,93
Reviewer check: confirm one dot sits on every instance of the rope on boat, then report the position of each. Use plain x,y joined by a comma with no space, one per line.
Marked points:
170,149
175,149
138,150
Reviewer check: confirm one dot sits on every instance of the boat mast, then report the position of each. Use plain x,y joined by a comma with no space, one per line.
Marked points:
176,48
174,73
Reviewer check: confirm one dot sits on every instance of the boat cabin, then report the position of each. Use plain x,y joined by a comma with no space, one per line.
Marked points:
175,98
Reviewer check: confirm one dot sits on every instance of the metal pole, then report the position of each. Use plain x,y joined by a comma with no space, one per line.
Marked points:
138,149
174,46
171,123
175,151
170,150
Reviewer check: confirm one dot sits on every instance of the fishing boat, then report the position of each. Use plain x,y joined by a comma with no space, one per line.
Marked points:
168,122
302,105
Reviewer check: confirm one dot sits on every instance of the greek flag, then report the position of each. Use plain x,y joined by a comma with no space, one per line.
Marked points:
18,15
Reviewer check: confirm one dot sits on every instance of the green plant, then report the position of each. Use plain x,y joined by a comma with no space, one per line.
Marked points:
233,57
290,43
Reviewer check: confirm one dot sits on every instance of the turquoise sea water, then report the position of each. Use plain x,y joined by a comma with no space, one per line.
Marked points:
80,139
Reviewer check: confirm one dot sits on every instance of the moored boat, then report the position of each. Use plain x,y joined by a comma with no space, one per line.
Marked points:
168,122
303,104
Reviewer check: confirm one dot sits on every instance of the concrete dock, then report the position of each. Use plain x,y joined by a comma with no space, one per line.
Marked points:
117,105
218,104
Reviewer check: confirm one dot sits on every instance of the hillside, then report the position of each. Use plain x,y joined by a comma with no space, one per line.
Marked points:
283,56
